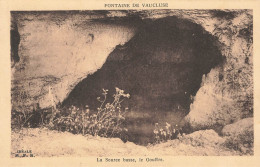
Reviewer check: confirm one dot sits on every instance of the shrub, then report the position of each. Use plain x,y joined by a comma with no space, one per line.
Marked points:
26,118
106,121
165,133
19,119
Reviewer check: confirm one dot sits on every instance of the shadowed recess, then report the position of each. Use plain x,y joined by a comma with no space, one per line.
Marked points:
161,67
15,41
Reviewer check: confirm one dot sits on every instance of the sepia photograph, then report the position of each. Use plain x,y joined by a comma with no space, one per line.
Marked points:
150,82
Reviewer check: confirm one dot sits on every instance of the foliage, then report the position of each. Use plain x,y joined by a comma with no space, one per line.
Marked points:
20,119
27,118
106,121
165,133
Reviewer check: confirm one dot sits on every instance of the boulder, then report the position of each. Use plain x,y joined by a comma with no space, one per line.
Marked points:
240,135
240,127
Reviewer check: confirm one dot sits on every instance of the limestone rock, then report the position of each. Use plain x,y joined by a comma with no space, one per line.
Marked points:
160,67
56,53
240,127
226,93
240,135
199,143
47,143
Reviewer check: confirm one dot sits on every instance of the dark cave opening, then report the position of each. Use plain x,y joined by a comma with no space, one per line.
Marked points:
161,67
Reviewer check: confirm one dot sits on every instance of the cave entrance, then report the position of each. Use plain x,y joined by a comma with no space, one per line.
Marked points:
161,67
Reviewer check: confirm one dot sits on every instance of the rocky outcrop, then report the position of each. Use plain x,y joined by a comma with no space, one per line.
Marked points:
58,50
240,135
160,67
226,93
240,127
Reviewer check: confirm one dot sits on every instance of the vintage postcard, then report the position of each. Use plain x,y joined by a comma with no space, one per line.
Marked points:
152,83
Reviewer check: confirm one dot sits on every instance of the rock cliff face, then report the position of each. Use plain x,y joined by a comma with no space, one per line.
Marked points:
226,94
170,61
57,50
161,67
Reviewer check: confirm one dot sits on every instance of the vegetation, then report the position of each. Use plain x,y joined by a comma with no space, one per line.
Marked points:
106,121
165,133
